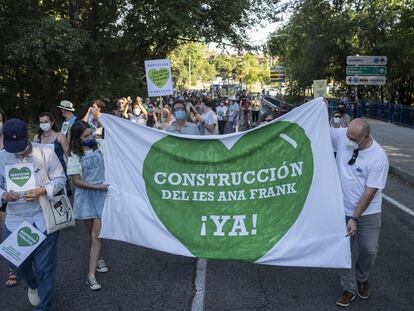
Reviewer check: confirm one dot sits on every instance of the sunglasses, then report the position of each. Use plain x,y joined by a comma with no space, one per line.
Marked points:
354,157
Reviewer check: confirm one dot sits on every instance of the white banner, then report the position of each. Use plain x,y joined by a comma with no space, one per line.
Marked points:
159,77
270,195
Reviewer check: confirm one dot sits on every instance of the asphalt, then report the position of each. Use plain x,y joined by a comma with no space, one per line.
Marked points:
144,279
233,286
398,142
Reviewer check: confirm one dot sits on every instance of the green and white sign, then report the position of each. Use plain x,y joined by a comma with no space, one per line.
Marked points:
252,196
21,243
320,88
20,177
366,70
159,77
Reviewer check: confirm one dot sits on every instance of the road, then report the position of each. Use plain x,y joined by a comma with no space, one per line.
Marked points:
144,279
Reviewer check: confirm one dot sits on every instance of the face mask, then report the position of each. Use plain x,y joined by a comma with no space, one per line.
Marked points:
45,126
1,128
351,145
88,143
337,120
149,109
179,115
137,111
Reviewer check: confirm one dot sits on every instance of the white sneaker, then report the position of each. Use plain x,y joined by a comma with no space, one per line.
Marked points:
92,282
33,296
101,267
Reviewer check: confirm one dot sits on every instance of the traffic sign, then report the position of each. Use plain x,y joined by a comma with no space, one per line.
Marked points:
277,74
366,60
366,70
367,80
278,68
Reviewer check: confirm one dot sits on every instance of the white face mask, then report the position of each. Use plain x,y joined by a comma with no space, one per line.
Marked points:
137,111
45,126
351,145
337,120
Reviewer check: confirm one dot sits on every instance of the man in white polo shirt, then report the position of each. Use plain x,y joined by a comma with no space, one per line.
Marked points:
363,169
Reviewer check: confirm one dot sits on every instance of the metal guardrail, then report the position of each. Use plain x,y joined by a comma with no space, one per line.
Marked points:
393,113
276,102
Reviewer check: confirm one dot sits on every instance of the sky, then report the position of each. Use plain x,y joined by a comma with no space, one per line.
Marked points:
259,36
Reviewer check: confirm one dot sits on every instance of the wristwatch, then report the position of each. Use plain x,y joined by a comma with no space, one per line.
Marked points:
354,218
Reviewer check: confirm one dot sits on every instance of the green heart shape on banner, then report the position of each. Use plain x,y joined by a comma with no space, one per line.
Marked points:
252,221
159,77
25,237
20,176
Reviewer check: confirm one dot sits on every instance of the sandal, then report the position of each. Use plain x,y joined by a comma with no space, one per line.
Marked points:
11,280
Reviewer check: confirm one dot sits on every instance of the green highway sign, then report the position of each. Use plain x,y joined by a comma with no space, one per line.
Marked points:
366,70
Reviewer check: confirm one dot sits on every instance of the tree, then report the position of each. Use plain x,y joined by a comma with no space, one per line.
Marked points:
226,66
321,33
250,70
201,69
100,45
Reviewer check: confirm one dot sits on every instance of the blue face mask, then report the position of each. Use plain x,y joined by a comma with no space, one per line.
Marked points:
89,143
179,115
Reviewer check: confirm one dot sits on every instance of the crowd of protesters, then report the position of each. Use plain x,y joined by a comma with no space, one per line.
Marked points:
73,157
76,146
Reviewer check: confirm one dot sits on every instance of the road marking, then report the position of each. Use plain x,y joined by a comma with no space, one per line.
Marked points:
398,204
200,284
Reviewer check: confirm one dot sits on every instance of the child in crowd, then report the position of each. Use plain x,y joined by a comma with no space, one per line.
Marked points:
86,168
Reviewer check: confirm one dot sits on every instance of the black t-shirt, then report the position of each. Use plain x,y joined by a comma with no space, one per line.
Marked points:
150,120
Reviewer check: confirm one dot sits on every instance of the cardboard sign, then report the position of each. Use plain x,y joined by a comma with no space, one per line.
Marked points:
159,77
21,243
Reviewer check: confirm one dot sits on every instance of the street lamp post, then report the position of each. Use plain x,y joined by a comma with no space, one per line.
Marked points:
189,71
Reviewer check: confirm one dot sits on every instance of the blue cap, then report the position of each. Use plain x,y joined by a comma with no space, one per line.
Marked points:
15,135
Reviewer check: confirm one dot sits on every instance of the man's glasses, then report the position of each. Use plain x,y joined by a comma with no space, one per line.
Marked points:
354,157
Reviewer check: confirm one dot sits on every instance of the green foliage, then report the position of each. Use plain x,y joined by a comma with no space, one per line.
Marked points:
321,33
226,66
193,57
250,71
83,49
